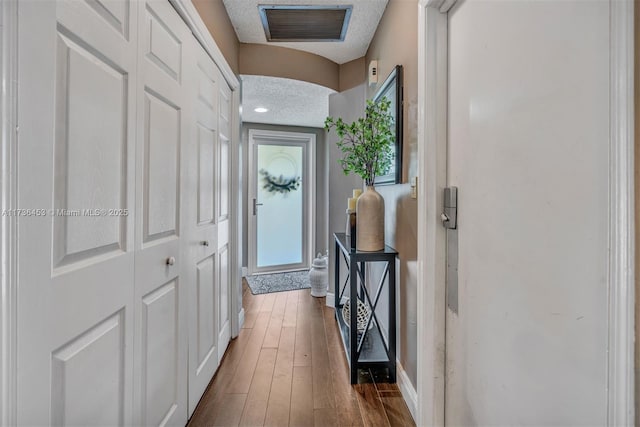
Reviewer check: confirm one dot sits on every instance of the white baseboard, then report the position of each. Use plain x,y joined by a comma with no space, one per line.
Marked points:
409,393
241,319
331,299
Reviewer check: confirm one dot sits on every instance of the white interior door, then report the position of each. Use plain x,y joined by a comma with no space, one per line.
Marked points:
202,243
160,393
77,118
528,126
281,182
223,290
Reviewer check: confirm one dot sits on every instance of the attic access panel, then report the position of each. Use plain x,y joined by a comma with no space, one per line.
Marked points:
305,23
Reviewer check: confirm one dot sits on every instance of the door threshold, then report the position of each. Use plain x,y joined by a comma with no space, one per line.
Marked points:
261,273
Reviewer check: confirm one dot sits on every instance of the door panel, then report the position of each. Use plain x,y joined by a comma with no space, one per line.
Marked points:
71,404
224,320
224,152
114,12
161,166
160,353
206,163
82,74
163,46
223,174
160,393
75,261
201,245
206,336
528,148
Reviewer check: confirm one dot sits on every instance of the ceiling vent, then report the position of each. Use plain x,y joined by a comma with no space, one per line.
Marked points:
305,23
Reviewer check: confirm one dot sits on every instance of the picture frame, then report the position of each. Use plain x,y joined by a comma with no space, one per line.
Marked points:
393,90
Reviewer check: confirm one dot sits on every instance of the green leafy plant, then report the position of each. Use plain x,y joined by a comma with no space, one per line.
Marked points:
367,143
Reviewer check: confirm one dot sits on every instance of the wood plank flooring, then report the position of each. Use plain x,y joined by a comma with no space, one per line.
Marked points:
287,368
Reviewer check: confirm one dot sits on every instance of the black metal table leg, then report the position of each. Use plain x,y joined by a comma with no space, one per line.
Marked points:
392,320
362,272
336,283
353,321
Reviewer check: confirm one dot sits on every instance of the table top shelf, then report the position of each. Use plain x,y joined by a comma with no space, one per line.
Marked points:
345,245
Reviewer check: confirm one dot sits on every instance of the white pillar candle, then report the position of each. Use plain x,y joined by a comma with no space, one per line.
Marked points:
352,203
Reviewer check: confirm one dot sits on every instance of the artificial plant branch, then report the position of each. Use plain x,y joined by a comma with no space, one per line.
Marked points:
367,142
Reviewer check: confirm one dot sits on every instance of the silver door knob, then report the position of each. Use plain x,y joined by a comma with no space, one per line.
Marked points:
171,260
205,243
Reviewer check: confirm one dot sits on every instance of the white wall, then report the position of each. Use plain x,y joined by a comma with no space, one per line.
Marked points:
396,43
401,233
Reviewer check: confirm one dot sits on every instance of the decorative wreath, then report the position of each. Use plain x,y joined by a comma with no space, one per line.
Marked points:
279,184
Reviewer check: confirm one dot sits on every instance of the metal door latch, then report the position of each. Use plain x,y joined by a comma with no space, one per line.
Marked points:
449,217
450,221
255,206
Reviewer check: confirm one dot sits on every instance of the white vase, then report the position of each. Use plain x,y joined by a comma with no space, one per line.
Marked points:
370,214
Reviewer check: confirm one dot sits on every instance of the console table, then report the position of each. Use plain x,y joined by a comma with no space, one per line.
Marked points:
370,349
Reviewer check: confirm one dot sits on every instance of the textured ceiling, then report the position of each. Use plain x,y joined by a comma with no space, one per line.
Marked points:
290,102
362,26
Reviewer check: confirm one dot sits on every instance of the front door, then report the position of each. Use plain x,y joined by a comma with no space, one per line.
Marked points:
280,214
528,132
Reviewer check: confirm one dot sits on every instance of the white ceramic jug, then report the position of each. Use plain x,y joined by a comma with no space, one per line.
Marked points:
319,276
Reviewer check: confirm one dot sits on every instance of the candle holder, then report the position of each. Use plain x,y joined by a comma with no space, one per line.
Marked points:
351,227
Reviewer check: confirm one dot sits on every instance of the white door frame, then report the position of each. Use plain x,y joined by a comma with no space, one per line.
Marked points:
9,189
8,197
621,280
309,184
432,178
432,162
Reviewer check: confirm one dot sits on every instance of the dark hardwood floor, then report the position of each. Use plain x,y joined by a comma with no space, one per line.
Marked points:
287,368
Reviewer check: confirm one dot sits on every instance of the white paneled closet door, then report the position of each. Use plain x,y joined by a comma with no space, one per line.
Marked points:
201,253
77,118
163,131
124,151
223,192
